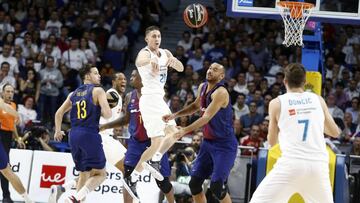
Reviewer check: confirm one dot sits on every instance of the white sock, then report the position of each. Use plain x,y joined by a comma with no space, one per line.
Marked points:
82,193
157,156
26,197
69,184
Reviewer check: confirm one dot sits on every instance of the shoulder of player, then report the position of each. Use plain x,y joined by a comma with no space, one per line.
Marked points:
275,103
221,92
98,89
168,53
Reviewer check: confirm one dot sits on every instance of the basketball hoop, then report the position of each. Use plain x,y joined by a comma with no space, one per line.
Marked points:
294,15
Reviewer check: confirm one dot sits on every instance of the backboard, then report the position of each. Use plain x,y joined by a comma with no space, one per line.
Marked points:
329,11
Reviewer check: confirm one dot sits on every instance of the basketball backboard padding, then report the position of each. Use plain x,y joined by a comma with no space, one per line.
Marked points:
328,11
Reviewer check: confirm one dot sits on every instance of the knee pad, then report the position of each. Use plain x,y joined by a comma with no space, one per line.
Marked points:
128,170
219,189
195,185
164,185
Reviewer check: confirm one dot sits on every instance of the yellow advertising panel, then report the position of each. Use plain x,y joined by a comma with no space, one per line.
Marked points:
313,82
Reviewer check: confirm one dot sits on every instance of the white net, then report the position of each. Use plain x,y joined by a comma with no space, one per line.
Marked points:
295,16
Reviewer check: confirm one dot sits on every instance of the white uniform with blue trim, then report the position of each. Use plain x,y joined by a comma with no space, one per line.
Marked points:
152,104
304,163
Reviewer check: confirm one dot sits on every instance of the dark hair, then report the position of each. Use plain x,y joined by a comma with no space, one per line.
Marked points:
5,85
85,70
295,74
5,63
151,28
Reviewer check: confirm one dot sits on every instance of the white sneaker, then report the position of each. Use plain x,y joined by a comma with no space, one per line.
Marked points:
56,192
154,168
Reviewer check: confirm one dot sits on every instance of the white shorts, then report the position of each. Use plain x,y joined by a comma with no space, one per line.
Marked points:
113,149
153,108
309,178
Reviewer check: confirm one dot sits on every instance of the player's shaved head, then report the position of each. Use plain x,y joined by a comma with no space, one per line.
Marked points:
151,28
220,67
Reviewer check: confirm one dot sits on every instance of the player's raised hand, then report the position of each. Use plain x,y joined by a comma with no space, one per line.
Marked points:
171,61
168,117
59,135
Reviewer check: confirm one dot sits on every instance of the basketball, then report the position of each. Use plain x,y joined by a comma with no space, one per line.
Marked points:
195,15
112,99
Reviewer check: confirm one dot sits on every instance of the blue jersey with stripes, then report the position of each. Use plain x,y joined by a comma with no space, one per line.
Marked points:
220,126
136,127
84,113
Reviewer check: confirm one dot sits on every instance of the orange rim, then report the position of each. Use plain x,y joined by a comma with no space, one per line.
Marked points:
296,8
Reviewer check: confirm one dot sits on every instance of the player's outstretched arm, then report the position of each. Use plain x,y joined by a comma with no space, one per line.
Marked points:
274,112
65,107
144,61
121,121
100,94
330,127
8,108
220,99
188,110
174,62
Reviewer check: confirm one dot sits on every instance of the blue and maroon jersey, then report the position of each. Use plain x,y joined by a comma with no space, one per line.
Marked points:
220,126
136,127
84,113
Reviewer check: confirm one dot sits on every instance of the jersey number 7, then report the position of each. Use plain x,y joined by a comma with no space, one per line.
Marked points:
306,125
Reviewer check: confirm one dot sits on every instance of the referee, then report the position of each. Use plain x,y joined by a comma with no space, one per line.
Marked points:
7,132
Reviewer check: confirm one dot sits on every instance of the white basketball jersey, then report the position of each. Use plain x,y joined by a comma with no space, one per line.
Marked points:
301,125
154,84
115,113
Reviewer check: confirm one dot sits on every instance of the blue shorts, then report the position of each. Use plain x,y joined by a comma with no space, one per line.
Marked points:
215,160
86,149
135,150
4,158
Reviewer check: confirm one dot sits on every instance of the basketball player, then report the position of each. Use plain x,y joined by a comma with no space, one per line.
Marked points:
298,120
218,150
86,103
139,140
113,149
152,62
4,159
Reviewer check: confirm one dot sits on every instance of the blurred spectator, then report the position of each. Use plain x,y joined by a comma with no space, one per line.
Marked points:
90,56
354,110
29,49
197,60
51,81
252,118
5,78
53,25
241,86
118,41
356,146
341,97
180,55
351,91
252,140
240,107
30,85
26,111
335,111
185,42
74,59
196,141
258,55
5,56
349,129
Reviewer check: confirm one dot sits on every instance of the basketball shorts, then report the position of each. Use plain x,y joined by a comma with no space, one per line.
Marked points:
215,160
136,149
86,149
153,108
309,178
4,158
113,149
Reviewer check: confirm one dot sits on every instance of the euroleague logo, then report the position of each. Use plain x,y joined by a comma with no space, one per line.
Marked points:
52,175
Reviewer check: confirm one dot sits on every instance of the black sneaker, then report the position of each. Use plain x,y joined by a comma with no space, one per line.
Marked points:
130,186
154,168
7,200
